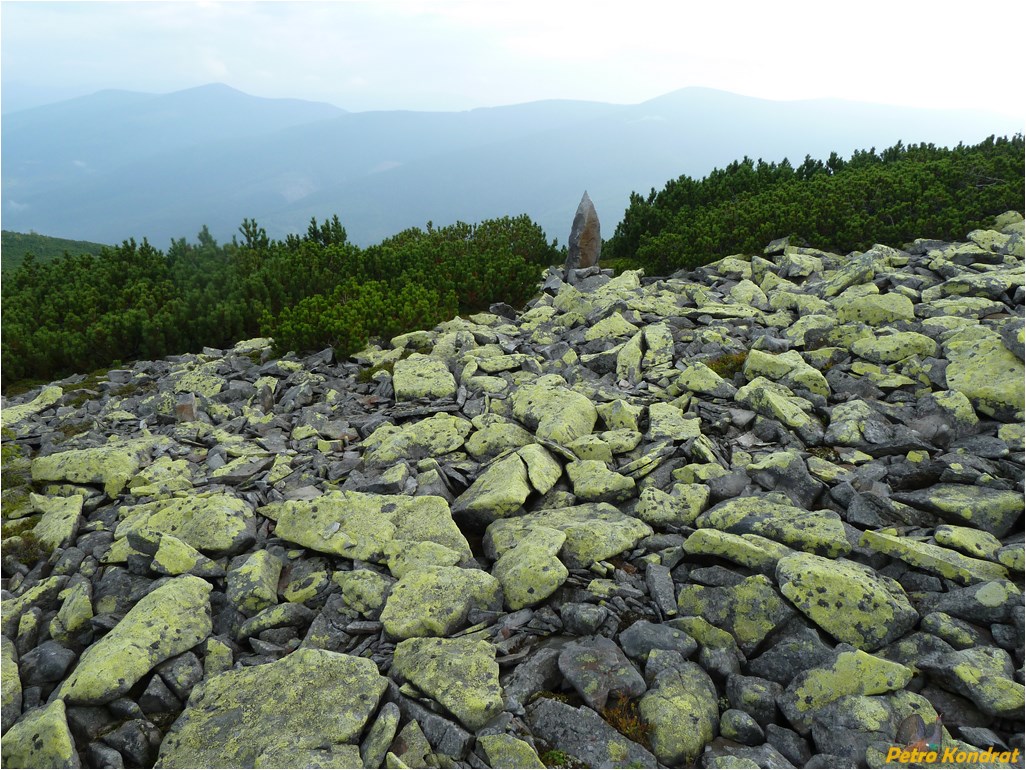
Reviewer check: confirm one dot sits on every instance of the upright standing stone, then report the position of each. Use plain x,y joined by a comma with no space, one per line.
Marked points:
585,240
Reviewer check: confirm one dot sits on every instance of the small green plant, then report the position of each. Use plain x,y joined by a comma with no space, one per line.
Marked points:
728,364
824,453
70,429
623,715
26,548
558,759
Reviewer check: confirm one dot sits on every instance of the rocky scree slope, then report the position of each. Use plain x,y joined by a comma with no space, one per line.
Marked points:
759,514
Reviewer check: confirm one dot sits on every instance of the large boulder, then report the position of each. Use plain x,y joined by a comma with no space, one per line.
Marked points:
461,674
850,603
435,601
276,714
166,622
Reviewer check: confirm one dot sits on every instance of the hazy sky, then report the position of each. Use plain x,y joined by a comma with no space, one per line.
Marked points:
459,54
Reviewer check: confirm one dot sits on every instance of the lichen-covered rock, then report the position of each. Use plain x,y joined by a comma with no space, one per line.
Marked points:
435,601
891,348
504,750
987,372
699,378
992,510
594,482
819,532
60,520
531,572
777,402
553,411
75,613
216,523
682,712
985,675
10,686
666,421
47,397
493,435
176,557
753,551
112,465
253,585
594,532
364,590
430,437
750,610
461,674
274,715
41,738
503,488
852,672
421,376
360,526
379,737
874,309
789,368
933,558
404,557
851,604
164,623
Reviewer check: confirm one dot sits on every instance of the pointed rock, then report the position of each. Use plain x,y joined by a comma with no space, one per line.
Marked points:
585,243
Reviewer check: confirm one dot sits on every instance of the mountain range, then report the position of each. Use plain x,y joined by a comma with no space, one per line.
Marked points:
121,164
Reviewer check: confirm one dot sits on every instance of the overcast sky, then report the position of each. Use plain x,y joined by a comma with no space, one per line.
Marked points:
460,54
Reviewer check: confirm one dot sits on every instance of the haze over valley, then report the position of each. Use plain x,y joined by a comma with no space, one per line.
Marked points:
121,164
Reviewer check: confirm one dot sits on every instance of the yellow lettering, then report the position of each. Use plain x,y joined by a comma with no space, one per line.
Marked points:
893,753
949,754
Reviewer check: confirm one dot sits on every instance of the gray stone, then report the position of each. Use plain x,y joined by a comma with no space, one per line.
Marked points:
597,669
643,637
584,735
46,663
738,726
582,619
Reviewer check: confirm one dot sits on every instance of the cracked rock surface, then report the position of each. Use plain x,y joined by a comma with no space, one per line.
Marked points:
759,513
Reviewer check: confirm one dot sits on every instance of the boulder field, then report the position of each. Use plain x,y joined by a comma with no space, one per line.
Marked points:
763,513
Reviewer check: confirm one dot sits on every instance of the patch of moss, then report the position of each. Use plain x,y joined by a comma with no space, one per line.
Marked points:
628,619
70,429
26,548
366,374
570,699
622,714
824,453
559,759
728,364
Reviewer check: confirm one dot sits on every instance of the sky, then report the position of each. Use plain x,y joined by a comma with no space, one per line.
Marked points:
460,54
